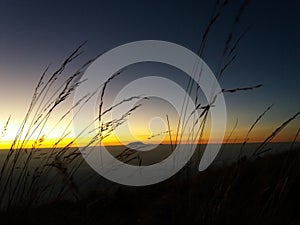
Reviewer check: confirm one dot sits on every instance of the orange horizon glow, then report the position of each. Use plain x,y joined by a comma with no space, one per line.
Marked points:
52,143
139,133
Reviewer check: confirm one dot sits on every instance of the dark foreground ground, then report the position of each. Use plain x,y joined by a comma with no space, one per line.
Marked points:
263,191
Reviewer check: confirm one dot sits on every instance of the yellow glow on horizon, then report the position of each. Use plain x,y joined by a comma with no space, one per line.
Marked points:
112,140
50,143
139,133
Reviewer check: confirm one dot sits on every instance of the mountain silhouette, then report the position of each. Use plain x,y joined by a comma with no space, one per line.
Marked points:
136,144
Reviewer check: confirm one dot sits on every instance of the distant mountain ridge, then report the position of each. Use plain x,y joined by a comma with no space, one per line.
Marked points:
136,144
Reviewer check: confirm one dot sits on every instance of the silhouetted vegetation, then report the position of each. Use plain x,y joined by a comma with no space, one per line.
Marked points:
259,190
263,191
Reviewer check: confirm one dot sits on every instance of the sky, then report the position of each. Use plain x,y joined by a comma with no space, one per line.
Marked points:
36,33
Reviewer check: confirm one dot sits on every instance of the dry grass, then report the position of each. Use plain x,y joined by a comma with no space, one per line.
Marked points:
25,167
214,197
258,194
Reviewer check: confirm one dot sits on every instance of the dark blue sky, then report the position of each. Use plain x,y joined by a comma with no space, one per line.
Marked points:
35,33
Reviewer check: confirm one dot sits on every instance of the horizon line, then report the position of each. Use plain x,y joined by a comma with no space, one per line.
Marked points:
118,145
